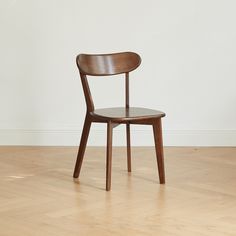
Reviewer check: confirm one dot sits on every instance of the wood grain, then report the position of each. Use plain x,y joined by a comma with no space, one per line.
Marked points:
108,64
39,197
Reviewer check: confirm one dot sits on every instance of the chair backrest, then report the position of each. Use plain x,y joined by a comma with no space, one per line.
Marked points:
104,65
108,64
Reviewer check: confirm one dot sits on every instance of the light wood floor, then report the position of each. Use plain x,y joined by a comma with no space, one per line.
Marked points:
38,196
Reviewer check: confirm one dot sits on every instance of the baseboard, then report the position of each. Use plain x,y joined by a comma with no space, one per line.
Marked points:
98,137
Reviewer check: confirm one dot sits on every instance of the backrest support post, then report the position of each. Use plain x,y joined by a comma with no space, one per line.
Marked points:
87,93
127,89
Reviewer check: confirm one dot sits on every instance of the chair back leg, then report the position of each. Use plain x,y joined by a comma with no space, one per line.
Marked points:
82,146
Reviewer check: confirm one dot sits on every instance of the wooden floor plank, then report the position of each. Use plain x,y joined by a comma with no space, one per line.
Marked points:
38,195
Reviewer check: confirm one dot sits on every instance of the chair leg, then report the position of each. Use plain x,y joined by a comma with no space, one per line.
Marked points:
109,156
128,147
82,146
157,131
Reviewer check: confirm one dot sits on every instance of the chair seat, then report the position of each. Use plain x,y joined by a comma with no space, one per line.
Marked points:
126,114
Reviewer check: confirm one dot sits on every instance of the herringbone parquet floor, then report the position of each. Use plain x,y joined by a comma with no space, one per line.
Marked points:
38,196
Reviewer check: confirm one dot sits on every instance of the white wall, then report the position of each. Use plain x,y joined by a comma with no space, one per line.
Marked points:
188,49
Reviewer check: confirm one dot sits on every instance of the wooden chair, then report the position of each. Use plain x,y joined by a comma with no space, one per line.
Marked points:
113,64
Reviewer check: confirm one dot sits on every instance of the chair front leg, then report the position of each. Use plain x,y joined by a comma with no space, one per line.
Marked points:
157,131
82,146
128,147
109,155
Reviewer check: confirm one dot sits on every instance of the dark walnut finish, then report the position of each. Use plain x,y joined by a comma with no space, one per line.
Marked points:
113,64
